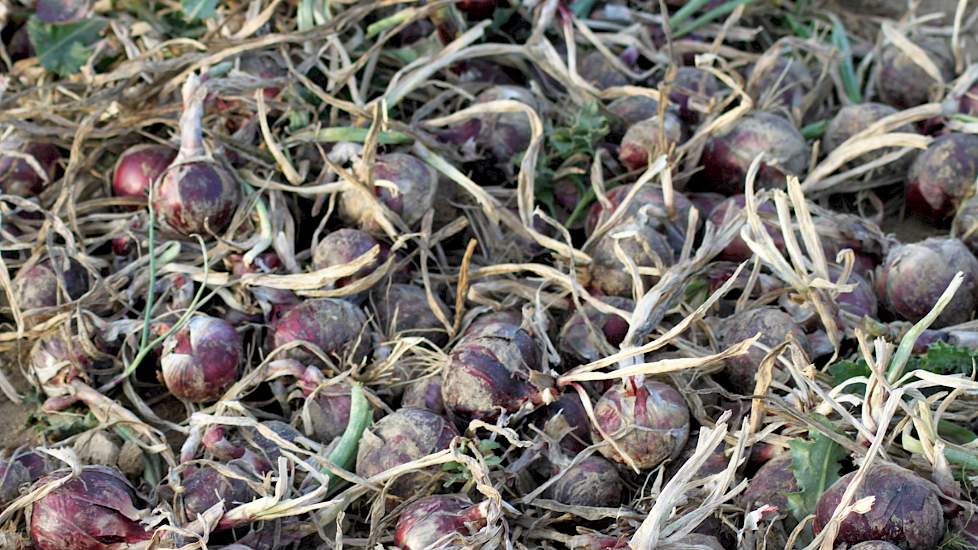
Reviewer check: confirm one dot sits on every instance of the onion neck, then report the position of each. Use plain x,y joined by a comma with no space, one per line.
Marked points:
191,132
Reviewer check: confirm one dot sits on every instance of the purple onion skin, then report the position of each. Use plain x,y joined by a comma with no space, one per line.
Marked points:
196,196
649,422
486,323
342,247
691,83
138,167
942,176
902,83
61,11
634,109
782,81
771,485
205,487
726,157
329,411
491,373
431,519
94,511
862,301
13,476
425,394
406,434
568,412
201,360
649,138
965,224
18,178
575,339
599,72
592,482
737,250
968,104
38,286
335,326
914,276
477,9
403,309
645,246
774,327
907,512
651,199
505,135
416,185
852,119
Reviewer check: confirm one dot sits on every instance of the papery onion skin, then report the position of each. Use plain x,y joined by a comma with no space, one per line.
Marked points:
405,435
337,327
93,511
649,422
432,519
201,360
906,512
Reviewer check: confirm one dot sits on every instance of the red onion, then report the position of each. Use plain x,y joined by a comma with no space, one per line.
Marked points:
17,177
575,339
139,167
943,176
566,415
402,183
592,482
774,327
342,247
404,310
205,487
202,359
907,511
649,422
337,327
93,511
492,370
651,200
328,411
51,282
647,139
425,394
727,156
915,275
640,242
405,435
438,518
196,193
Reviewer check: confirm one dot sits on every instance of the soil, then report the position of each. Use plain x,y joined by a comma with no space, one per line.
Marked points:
14,430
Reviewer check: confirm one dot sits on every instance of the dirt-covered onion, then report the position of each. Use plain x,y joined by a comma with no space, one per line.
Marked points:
646,140
779,82
943,176
53,281
491,371
18,177
907,511
901,82
852,119
336,327
400,437
576,341
402,183
773,325
649,422
914,276
594,481
640,243
404,309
